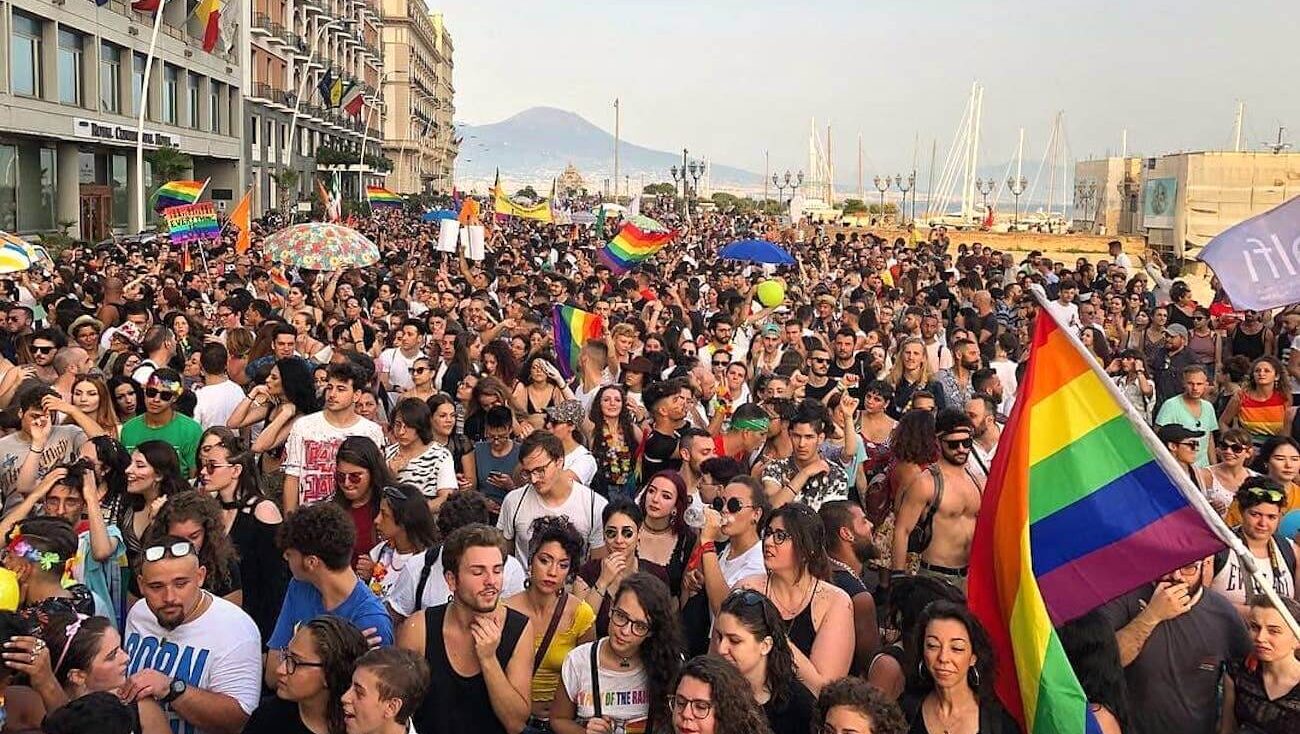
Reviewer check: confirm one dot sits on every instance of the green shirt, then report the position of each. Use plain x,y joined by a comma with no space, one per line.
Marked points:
181,432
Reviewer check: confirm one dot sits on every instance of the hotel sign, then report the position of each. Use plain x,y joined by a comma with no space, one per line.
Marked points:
122,134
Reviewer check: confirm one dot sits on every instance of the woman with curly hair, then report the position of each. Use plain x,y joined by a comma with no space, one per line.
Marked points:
313,673
563,620
750,634
951,675
500,362
614,438
487,393
197,518
634,666
853,706
711,697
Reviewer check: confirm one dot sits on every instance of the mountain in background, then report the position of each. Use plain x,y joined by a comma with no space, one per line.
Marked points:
537,144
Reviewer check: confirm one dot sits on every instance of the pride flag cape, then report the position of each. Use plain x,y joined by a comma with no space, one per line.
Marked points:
380,196
1083,505
177,193
637,240
572,327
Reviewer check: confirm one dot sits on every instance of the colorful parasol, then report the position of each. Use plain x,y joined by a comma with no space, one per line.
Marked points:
321,246
17,254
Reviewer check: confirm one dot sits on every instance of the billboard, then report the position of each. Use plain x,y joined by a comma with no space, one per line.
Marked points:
1158,198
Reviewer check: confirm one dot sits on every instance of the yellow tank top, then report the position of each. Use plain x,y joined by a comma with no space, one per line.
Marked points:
547,676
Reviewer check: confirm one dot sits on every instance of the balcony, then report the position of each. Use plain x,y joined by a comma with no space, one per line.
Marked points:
261,92
261,25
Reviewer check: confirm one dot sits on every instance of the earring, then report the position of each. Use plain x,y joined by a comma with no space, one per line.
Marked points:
528,583
920,668
975,673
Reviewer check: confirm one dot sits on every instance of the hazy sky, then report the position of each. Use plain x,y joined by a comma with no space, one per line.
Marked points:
730,79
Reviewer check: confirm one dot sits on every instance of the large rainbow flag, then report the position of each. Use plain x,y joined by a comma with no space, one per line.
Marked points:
572,327
380,196
638,239
177,193
1082,506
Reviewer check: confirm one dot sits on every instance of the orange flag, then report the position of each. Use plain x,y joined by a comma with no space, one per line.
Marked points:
241,219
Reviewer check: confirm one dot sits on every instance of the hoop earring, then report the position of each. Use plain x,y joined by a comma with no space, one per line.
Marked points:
920,668
975,673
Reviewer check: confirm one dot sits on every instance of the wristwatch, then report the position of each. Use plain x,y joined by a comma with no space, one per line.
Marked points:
175,691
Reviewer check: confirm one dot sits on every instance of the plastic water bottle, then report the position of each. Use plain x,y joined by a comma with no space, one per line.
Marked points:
694,515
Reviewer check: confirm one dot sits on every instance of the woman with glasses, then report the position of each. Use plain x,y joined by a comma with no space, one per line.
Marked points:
797,580
422,371
314,672
1234,452
951,675
1261,692
406,525
711,697
620,683
621,520
1260,502
562,620
414,456
197,518
1205,342
750,634
360,472
153,476
666,539
1129,371
614,439
853,706
1261,406
229,473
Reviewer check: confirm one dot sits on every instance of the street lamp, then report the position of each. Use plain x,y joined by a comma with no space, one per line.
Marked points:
882,185
1017,187
302,83
789,182
1084,192
911,186
985,187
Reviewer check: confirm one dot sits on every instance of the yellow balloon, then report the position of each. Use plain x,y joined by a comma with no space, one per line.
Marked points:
771,293
8,590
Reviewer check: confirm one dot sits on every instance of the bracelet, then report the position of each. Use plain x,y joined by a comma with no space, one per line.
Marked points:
708,547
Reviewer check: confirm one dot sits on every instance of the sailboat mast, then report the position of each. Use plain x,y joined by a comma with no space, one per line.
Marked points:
861,192
1020,154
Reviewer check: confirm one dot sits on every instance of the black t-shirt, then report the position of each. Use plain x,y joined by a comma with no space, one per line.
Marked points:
660,453
810,392
848,582
276,716
793,715
859,368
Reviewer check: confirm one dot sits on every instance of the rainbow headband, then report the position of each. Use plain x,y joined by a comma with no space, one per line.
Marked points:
21,547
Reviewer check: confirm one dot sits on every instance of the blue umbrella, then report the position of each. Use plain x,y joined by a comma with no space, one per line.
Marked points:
436,214
756,251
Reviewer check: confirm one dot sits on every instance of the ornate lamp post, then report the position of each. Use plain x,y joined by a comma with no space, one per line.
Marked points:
1084,192
791,182
882,185
911,186
1017,187
985,187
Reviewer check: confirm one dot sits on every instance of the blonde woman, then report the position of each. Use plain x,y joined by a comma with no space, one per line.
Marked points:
909,374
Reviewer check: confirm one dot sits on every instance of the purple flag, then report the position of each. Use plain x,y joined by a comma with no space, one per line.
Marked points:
1258,260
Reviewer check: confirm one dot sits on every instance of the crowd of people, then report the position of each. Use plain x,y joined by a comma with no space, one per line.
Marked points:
245,498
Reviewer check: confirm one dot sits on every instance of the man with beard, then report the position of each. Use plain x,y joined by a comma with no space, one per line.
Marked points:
941,505
479,651
1174,637
982,411
666,405
191,650
849,547
957,382
820,384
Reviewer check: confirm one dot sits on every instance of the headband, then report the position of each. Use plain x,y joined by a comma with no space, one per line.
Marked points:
21,547
751,424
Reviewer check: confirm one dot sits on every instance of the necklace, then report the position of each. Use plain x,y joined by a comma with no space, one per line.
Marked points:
842,566
646,526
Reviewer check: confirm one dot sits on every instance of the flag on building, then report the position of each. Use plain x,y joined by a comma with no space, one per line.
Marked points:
146,6
209,14
636,241
326,86
241,218
571,328
353,99
380,196
1082,506
336,91
177,193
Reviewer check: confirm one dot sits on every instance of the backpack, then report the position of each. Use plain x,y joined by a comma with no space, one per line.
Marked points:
431,557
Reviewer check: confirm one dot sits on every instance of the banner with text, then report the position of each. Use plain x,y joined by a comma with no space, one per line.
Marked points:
1258,260
192,222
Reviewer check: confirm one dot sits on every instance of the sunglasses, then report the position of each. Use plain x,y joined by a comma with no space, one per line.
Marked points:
1190,444
43,350
721,363
349,477
818,360
396,493
960,443
1235,448
1268,494
732,506
155,393
778,536
179,549
612,533
420,370
748,597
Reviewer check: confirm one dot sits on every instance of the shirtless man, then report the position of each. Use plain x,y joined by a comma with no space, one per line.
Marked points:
953,521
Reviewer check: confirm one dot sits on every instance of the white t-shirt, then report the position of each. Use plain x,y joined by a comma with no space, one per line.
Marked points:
581,462
389,564
144,371
310,449
624,693
523,505
749,563
220,652
397,367
401,595
216,403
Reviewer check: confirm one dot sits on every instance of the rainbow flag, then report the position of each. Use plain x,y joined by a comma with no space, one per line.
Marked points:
380,196
1083,505
637,240
177,193
279,282
572,327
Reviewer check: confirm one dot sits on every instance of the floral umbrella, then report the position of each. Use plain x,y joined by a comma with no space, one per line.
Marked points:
17,254
321,246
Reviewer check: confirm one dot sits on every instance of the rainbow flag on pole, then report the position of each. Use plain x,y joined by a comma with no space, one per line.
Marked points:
1083,505
572,327
177,193
638,239
380,196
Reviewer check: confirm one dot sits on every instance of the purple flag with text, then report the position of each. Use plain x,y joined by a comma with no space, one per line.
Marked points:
1258,260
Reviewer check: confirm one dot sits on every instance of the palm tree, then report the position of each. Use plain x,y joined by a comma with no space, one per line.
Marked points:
286,180
168,164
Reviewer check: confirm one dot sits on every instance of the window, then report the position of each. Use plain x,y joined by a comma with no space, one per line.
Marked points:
70,84
170,94
196,94
137,82
25,55
117,181
110,77
214,106
252,130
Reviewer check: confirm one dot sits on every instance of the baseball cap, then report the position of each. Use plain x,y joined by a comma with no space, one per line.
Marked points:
1173,433
1176,330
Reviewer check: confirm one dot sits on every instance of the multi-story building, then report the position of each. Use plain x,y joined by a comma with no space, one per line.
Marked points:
69,99
417,92
447,143
293,46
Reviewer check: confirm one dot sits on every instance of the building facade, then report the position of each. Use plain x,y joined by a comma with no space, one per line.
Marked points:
417,93
72,86
293,45
1105,195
